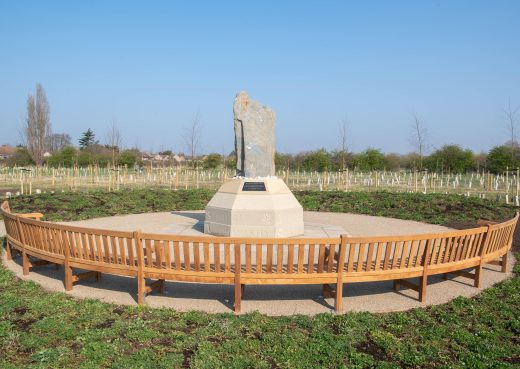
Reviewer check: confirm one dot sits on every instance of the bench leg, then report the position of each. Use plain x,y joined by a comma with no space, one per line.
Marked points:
8,251
422,289
445,276
242,289
396,285
504,262
26,263
68,278
161,287
478,276
238,298
327,292
141,287
338,303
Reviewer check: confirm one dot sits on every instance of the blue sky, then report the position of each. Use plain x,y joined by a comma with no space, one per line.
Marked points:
151,66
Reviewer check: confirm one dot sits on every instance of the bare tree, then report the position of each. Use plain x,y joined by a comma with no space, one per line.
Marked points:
512,127
113,140
345,141
38,125
58,141
192,135
419,138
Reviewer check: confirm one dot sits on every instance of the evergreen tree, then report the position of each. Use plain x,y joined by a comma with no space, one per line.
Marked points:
88,139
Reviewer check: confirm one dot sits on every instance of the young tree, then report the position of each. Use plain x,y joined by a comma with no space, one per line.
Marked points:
113,141
345,141
38,125
87,139
419,138
192,134
511,127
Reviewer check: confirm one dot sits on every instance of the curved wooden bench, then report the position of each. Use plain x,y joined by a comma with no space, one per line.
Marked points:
248,261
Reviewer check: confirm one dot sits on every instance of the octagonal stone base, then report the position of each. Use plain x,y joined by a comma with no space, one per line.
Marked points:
236,211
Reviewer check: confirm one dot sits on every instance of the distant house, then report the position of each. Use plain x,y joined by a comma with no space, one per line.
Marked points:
158,158
179,159
146,156
6,151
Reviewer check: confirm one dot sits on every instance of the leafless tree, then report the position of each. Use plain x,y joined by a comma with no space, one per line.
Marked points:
58,141
113,140
512,127
419,138
38,125
192,135
345,141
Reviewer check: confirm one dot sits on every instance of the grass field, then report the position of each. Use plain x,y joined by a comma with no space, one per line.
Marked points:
504,187
39,329
431,208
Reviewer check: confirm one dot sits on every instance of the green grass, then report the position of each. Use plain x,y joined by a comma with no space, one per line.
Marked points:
83,205
39,329
432,208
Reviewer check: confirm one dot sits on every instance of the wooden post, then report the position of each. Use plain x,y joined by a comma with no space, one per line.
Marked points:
339,269
25,258
8,251
424,278
68,268
326,290
141,285
504,262
483,249
8,246
238,286
396,285
505,258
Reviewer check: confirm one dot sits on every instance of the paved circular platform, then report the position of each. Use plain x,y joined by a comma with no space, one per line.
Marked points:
270,300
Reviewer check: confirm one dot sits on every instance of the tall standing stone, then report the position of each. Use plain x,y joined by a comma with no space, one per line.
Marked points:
254,137
255,203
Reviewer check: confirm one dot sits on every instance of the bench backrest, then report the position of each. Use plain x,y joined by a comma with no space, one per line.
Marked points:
372,254
179,254
501,235
11,223
107,248
299,260
41,236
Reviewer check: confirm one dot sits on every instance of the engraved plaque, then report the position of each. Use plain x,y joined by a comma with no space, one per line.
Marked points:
253,186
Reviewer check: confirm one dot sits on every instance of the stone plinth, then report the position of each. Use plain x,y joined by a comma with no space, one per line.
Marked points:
254,208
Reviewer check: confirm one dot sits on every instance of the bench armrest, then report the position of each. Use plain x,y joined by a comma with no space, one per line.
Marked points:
36,216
